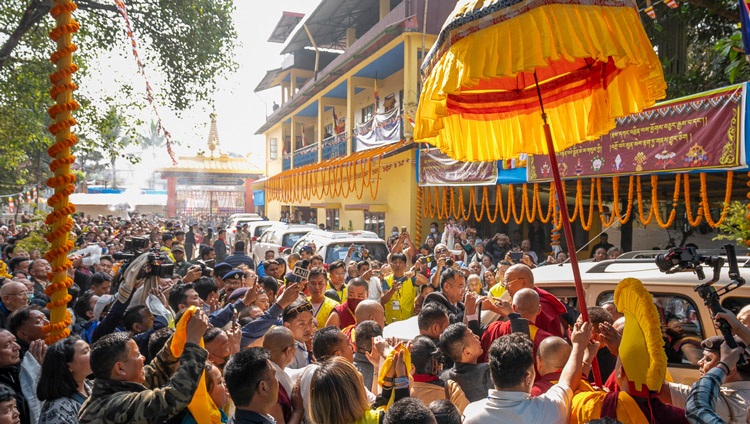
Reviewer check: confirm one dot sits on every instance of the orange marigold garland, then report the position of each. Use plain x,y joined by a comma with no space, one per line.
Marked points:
707,205
59,219
418,221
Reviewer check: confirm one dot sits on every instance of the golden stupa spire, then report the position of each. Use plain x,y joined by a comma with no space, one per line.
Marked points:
213,135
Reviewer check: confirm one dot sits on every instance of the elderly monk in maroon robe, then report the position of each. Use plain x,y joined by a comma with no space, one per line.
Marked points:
525,303
549,319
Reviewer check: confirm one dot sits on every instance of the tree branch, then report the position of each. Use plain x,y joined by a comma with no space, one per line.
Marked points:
713,7
92,5
33,14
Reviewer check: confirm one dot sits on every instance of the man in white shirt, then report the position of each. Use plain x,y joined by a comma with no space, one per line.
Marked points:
511,362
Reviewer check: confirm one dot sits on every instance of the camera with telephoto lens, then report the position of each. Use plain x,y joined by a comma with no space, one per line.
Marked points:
687,259
158,266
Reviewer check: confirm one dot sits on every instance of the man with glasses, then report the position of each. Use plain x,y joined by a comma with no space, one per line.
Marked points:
280,345
519,277
14,295
232,280
451,294
444,261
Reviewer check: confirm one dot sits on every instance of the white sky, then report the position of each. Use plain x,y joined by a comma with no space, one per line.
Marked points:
240,111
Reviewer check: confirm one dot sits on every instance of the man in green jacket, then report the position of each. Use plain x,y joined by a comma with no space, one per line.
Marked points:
126,391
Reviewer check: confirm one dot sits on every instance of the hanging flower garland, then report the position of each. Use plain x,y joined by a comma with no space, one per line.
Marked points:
59,219
655,201
688,208
645,220
418,220
498,193
606,223
586,224
452,204
707,205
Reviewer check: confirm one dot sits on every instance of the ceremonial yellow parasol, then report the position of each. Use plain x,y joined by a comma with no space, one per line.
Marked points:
507,77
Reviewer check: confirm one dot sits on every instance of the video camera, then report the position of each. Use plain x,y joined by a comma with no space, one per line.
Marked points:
158,264
687,259
207,267
133,248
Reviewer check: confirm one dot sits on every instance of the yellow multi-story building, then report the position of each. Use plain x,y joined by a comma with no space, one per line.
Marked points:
356,62
339,145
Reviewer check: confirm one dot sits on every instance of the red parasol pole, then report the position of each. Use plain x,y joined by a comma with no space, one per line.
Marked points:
567,230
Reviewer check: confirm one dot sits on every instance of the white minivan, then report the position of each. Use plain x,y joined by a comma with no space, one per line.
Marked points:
333,245
278,238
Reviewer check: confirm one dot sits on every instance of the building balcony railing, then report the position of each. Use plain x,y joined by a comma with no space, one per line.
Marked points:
382,129
334,146
306,155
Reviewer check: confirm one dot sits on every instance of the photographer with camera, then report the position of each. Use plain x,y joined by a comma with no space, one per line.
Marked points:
401,288
443,261
731,399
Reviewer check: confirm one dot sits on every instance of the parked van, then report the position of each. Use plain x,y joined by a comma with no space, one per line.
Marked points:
255,228
333,245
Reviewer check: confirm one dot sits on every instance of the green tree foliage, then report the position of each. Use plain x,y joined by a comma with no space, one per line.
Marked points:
736,226
190,42
698,43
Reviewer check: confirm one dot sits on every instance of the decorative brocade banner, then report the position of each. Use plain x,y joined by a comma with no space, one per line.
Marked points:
704,131
437,169
380,130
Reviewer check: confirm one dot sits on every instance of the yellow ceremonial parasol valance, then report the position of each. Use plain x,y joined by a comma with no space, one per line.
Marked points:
592,59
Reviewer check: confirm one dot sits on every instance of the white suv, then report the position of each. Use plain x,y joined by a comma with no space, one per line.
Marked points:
255,228
333,245
279,237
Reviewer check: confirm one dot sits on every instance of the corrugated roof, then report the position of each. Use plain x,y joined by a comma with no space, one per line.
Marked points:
285,26
330,20
217,165
108,199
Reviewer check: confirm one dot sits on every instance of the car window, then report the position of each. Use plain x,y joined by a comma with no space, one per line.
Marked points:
680,324
290,238
734,304
259,230
337,251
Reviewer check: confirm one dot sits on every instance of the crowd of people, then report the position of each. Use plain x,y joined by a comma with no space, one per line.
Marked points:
171,328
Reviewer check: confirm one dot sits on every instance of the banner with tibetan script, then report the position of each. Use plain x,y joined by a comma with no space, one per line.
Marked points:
703,131
437,169
381,129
